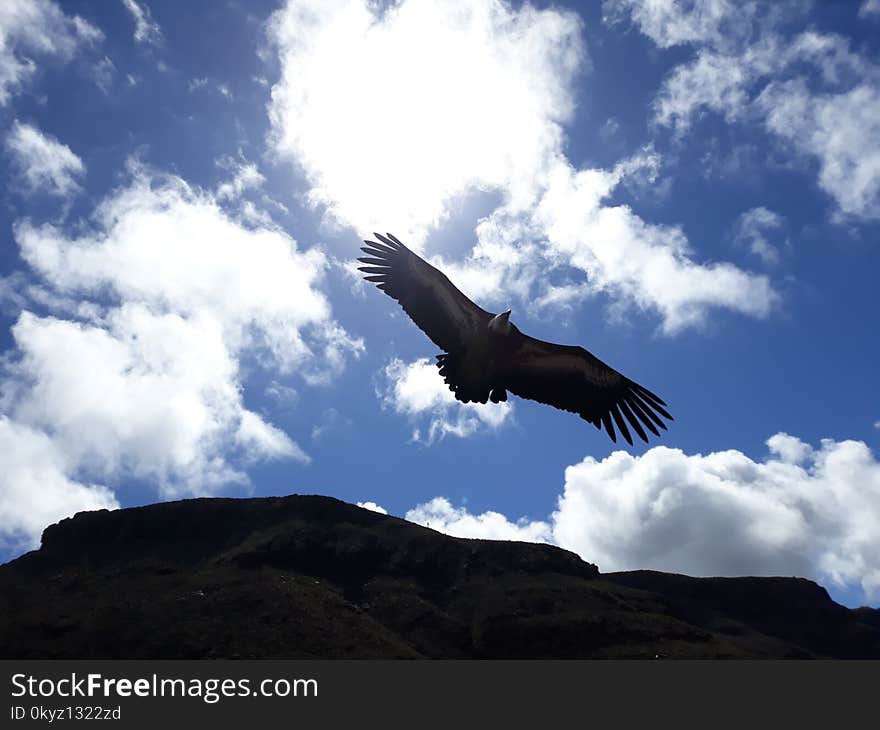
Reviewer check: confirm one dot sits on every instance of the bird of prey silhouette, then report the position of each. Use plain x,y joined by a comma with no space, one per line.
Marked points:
485,355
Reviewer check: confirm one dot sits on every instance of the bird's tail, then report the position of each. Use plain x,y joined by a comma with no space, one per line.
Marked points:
465,391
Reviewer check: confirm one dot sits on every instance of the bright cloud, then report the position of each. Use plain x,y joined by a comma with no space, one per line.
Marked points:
394,115
439,514
35,489
673,22
803,511
151,396
152,235
246,176
145,382
810,90
385,142
44,163
36,28
146,30
417,390
373,507
651,266
841,131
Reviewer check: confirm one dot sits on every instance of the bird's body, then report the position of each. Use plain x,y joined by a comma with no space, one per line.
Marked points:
486,356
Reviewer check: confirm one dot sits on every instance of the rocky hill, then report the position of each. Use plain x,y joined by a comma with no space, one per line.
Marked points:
310,576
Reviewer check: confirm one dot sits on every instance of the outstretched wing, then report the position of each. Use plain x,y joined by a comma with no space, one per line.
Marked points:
572,379
442,312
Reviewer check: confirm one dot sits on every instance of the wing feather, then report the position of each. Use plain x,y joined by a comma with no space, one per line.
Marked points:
609,427
573,379
645,396
440,310
639,412
646,409
374,251
633,419
621,424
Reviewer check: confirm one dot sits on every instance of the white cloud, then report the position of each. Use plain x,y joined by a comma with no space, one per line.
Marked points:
36,28
373,507
870,9
145,381
727,80
145,395
841,131
397,144
242,193
153,234
789,449
417,390
810,90
393,115
263,440
35,489
246,176
675,22
439,514
146,30
651,266
752,229
44,163
803,511
712,81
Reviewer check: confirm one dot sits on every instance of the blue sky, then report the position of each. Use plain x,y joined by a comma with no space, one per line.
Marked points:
690,190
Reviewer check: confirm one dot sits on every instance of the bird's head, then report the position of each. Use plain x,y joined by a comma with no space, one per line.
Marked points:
500,323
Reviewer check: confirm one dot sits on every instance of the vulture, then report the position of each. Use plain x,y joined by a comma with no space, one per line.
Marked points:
485,356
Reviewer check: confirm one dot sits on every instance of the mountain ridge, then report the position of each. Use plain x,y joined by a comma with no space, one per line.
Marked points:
307,576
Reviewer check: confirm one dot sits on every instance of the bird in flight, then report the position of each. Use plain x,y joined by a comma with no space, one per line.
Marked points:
485,356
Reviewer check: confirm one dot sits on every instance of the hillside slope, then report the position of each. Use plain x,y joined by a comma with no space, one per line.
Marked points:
310,576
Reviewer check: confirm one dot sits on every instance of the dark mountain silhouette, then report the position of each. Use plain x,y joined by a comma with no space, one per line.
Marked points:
310,576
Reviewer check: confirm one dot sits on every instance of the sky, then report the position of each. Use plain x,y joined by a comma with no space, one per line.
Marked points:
690,189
